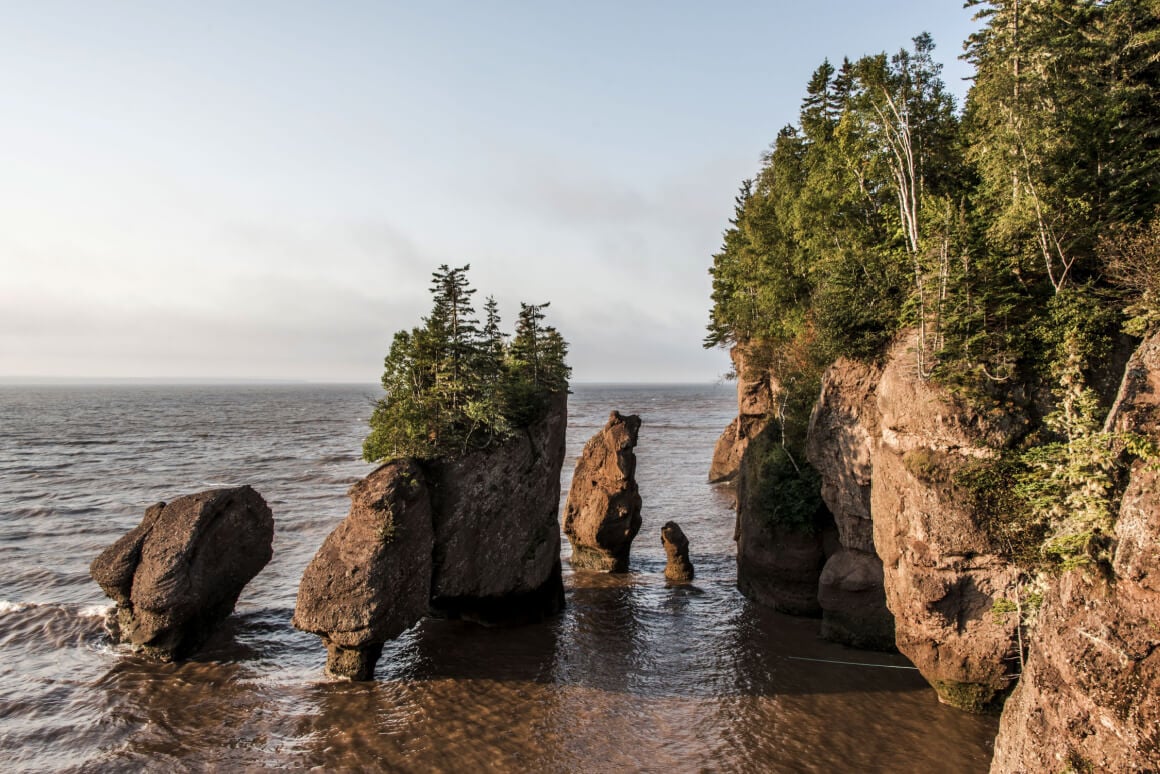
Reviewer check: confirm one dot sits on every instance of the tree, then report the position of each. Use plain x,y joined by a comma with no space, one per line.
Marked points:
451,386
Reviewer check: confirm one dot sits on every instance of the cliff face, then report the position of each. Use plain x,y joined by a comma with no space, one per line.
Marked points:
497,528
898,556
840,445
942,576
755,390
1088,697
476,537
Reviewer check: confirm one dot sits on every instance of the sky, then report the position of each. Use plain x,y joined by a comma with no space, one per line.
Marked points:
261,190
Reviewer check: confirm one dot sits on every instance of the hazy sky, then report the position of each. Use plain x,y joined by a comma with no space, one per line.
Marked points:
261,189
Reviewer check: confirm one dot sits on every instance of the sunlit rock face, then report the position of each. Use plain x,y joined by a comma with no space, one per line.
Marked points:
602,515
941,573
474,537
840,445
1088,698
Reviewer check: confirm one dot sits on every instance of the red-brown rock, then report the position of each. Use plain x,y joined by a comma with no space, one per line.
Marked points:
840,445
942,575
1088,699
602,515
755,392
178,574
371,579
678,567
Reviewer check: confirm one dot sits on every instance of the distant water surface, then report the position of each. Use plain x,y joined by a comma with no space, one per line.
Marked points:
634,676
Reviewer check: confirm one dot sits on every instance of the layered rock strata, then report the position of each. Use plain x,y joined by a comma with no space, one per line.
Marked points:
474,537
1088,699
602,515
678,567
178,574
843,432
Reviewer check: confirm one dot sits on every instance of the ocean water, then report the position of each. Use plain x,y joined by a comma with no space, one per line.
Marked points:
633,676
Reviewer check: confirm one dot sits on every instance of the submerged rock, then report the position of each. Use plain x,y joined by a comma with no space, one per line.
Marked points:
474,537
602,515
678,568
371,579
1088,699
178,574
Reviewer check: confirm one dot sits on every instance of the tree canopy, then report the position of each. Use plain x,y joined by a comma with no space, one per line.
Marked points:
1016,235
453,384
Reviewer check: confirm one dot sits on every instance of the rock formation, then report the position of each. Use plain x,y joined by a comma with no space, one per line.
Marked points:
497,527
942,575
371,579
755,392
1088,697
474,537
842,434
178,574
678,568
602,515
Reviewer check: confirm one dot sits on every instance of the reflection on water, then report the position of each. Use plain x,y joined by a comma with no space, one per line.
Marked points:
636,675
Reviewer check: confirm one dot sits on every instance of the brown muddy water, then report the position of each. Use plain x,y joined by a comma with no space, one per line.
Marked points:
633,676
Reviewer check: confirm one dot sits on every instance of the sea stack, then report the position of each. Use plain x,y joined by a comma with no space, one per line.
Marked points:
678,568
178,574
602,515
475,537
371,579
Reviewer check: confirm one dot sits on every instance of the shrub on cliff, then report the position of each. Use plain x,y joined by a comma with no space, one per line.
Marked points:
453,385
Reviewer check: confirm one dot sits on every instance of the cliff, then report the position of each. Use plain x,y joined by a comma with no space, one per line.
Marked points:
1088,697
942,575
472,537
897,554
840,444
755,391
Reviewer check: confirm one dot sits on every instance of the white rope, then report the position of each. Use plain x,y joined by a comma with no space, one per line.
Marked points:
850,663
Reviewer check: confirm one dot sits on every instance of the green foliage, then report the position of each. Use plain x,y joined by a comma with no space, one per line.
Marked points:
979,698
1013,237
1130,255
452,385
789,492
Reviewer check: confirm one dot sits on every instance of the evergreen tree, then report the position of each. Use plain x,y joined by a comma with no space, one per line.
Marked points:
451,386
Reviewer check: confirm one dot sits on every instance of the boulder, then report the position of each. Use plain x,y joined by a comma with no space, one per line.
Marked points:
678,568
840,444
755,391
178,574
853,601
942,575
371,579
602,515
1088,697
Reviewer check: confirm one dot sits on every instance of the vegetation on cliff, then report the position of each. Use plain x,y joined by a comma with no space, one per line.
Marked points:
455,384
1017,235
